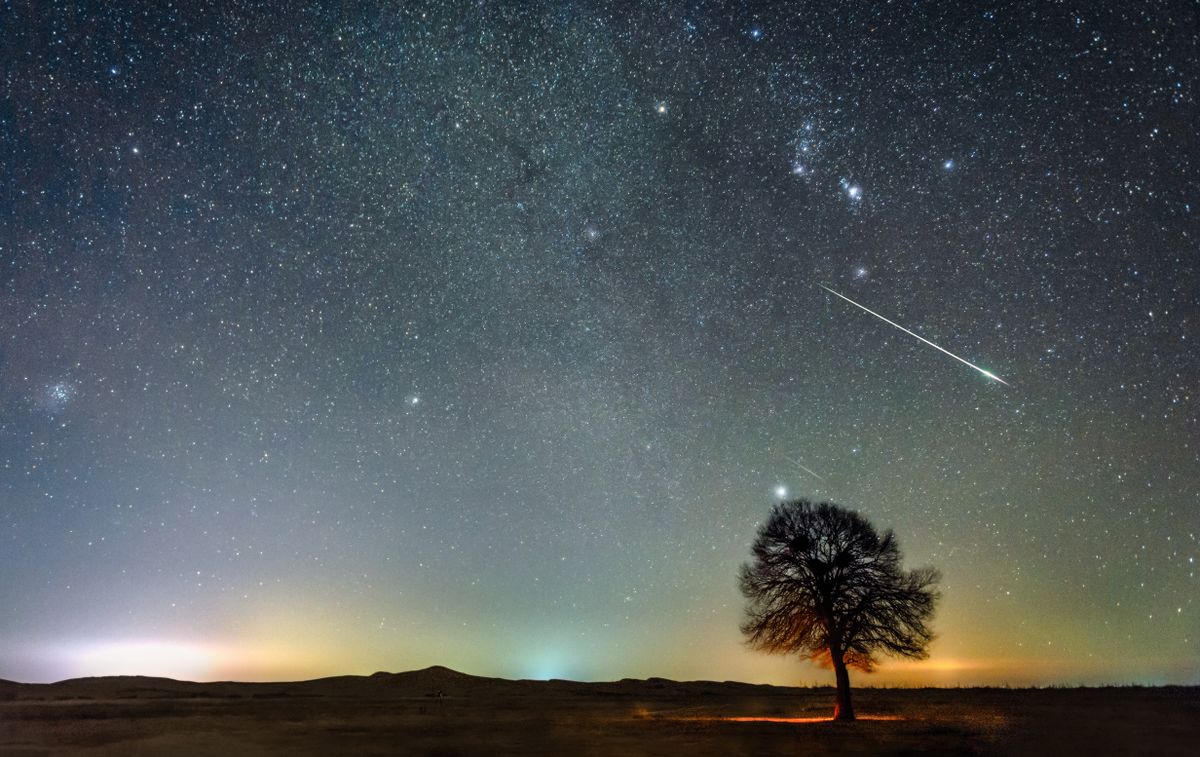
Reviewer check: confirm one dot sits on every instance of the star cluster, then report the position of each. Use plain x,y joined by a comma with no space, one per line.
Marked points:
358,336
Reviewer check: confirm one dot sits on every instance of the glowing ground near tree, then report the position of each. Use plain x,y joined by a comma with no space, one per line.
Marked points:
748,719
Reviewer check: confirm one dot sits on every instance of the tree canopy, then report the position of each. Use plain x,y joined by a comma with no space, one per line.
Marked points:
826,585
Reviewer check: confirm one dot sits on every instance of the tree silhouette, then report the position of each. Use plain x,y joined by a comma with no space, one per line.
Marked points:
826,585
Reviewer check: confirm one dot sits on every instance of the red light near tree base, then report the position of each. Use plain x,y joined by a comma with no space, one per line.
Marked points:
764,719
823,719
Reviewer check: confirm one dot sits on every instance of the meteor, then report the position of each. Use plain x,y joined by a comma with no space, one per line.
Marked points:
803,467
989,374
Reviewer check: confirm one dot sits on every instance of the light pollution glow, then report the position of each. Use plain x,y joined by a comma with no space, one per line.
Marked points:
315,650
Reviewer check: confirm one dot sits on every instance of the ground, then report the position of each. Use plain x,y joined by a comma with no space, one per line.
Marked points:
441,712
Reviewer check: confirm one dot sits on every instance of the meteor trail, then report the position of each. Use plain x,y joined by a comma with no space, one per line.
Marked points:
989,374
802,467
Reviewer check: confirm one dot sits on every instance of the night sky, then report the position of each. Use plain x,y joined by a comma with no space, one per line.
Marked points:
358,338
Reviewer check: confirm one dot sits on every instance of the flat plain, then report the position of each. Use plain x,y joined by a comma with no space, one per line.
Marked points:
440,712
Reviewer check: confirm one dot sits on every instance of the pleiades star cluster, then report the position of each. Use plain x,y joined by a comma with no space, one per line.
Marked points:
338,337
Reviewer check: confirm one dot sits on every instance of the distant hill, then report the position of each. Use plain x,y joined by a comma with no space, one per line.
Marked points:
432,682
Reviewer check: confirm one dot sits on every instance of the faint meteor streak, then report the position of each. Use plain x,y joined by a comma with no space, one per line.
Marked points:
803,467
989,374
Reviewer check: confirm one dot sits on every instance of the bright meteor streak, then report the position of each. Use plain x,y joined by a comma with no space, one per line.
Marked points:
989,374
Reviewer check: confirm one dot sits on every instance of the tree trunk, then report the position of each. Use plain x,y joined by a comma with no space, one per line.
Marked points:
843,710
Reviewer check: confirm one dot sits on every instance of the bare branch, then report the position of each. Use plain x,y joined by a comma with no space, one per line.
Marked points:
825,584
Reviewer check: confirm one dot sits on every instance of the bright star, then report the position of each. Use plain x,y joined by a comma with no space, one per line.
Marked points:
660,107
781,492
948,165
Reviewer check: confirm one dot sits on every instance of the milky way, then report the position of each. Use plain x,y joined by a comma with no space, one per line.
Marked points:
355,338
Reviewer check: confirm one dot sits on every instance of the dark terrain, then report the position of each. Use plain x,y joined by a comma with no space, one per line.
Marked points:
441,712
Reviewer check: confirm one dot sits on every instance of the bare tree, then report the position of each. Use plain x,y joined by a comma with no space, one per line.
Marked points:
826,585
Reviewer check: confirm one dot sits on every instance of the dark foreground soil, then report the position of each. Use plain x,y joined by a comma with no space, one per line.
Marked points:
440,712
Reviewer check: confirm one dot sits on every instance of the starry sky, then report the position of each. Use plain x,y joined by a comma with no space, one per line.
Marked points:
346,337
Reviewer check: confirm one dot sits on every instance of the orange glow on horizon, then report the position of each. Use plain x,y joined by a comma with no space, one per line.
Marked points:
935,665
822,719
188,660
